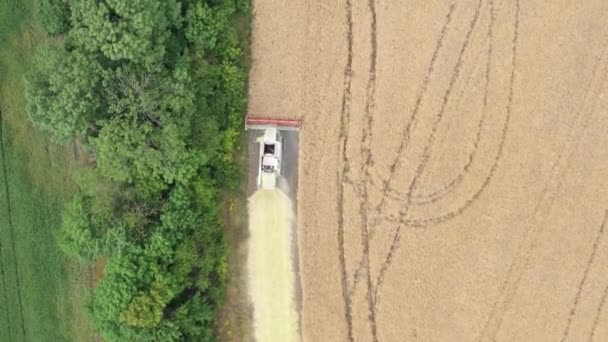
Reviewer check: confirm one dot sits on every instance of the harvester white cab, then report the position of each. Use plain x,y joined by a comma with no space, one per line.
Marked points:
271,147
270,159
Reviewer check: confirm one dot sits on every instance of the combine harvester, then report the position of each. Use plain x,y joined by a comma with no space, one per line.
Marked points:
271,148
272,261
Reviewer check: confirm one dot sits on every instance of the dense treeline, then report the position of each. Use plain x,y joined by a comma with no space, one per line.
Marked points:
155,90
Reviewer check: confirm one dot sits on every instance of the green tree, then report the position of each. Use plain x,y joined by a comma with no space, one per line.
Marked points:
132,300
120,284
145,141
149,157
209,23
204,27
146,309
135,30
64,92
54,16
80,233
194,320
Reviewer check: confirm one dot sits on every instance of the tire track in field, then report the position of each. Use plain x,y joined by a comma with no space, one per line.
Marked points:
2,272
547,198
413,118
420,199
4,288
484,184
426,152
10,224
581,284
571,138
343,170
436,195
598,314
366,154
357,276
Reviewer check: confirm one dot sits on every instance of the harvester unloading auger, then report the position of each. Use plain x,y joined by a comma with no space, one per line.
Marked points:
271,147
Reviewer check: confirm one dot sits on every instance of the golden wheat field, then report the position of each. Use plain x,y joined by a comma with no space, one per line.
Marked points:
453,171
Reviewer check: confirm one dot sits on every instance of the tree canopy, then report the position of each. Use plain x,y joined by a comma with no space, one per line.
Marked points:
135,30
145,139
156,94
64,91
54,16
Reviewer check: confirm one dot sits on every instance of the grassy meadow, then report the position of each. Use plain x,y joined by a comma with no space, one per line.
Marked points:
41,291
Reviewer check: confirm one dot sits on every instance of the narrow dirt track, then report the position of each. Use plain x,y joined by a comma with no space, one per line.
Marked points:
453,165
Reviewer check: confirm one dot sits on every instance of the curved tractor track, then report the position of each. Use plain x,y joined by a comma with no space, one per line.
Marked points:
371,216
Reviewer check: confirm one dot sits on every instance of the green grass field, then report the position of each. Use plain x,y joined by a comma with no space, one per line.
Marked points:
41,291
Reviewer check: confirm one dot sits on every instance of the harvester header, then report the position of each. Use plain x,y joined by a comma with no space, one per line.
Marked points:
264,123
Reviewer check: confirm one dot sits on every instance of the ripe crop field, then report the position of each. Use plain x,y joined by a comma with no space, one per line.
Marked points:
453,172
